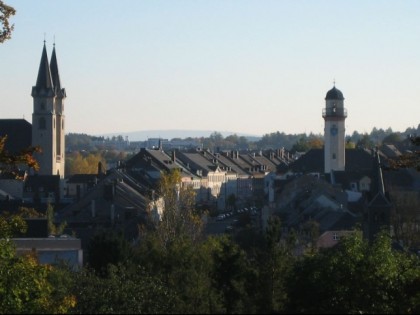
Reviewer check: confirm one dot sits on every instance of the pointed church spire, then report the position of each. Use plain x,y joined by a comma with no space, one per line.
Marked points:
44,81
55,75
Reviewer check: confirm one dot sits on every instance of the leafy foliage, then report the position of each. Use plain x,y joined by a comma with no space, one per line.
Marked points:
10,163
179,214
410,159
126,290
354,277
6,12
25,285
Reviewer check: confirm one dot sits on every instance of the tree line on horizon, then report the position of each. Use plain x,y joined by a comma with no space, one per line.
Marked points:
301,142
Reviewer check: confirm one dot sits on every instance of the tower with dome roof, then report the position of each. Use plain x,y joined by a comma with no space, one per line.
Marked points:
334,115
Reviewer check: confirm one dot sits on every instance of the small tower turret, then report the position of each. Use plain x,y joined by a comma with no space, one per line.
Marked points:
334,115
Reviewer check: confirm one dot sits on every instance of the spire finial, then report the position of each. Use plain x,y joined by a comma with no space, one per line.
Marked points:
334,82
54,41
44,37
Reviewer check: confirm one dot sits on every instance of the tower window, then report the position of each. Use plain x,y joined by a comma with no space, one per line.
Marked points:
42,106
334,156
42,123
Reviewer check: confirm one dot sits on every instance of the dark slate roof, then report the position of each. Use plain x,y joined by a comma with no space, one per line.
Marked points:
334,94
312,161
44,81
197,161
19,134
47,182
82,178
357,161
226,161
55,76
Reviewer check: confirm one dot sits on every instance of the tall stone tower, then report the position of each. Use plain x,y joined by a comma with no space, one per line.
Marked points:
334,115
48,117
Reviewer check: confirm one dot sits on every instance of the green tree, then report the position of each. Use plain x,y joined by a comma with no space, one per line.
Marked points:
52,227
231,274
6,12
355,277
125,290
392,138
275,261
105,248
365,142
26,287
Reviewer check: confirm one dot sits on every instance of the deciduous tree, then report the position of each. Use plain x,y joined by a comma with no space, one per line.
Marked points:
6,12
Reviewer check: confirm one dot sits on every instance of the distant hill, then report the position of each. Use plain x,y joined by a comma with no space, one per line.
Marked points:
170,134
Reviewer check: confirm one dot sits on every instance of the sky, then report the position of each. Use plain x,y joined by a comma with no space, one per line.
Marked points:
246,66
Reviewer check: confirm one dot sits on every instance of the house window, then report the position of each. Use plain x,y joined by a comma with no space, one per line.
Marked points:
336,237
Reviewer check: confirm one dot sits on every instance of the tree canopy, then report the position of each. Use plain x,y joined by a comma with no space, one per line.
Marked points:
6,12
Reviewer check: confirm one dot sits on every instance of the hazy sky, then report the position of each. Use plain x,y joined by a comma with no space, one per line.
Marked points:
252,67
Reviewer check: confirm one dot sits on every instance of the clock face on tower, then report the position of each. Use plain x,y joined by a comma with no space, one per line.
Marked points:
334,130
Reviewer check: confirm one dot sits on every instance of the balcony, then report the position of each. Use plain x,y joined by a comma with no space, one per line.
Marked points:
334,112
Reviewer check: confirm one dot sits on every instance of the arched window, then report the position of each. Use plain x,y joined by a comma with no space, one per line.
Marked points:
54,123
42,123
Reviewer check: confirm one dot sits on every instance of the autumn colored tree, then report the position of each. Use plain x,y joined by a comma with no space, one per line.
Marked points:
10,163
6,12
179,214
77,163
410,159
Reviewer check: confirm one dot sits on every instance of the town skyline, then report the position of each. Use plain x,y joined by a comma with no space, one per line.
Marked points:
214,65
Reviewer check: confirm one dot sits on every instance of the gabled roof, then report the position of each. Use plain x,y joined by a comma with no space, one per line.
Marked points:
82,178
197,161
127,193
357,160
226,160
19,134
49,183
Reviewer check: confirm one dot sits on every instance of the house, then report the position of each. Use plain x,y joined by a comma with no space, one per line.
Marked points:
117,201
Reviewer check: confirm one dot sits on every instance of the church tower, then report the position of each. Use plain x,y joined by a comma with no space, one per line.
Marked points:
334,115
48,117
